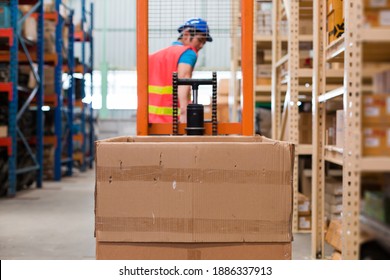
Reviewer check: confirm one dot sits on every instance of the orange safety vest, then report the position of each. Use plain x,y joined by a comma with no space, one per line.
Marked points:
161,66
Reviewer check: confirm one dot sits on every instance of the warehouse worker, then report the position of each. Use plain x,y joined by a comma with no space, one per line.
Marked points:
180,57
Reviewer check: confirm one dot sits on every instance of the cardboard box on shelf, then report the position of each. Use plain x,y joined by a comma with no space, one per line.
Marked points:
304,205
333,186
49,37
304,222
330,129
334,5
376,4
377,18
376,140
305,128
333,234
49,83
49,7
3,131
305,181
376,109
263,81
29,29
305,27
333,208
381,82
333,199
340,128
193,198
335,19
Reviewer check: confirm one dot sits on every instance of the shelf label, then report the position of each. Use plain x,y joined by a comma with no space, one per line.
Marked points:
388,137
371,112
388,104
377,3
304,222
372,142
384,18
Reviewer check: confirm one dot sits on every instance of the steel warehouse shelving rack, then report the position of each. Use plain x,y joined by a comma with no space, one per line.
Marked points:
290,83
70,106
14,57
62,105
360,49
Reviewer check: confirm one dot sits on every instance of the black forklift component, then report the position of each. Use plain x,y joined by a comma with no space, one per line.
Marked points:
195,111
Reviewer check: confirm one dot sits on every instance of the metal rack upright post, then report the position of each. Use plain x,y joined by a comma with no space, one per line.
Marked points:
290,81
87,107
59,131
58,90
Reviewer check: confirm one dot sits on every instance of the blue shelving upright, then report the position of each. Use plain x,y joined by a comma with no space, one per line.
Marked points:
71,94
87,114
58,91
64,136
91,119
15,132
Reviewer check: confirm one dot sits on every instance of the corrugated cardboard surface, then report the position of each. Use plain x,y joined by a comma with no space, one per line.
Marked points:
193,189
193,251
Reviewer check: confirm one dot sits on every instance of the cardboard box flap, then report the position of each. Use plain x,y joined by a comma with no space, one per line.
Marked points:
223,191
185,138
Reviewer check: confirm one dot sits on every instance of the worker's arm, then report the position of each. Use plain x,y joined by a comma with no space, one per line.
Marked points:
184,71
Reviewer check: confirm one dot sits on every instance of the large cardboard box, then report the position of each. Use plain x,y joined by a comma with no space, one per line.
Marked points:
192,251
167,197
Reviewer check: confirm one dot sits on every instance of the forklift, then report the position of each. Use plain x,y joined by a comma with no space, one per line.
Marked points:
196,125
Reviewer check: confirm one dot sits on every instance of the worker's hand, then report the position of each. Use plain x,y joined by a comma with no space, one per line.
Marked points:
183,118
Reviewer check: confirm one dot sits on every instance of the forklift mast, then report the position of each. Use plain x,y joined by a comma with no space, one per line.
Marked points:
245,127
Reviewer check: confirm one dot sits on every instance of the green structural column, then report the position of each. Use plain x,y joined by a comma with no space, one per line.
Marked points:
103,113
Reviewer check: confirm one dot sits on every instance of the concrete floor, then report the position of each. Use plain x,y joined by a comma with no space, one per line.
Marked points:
57,222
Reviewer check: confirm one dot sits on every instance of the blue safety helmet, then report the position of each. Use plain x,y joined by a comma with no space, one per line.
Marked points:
199,25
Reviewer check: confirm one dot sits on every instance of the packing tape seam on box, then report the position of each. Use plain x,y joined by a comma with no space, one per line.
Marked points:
192,175
187,225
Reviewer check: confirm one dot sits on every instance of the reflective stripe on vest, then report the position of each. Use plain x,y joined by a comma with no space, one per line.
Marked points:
167,111
160,90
